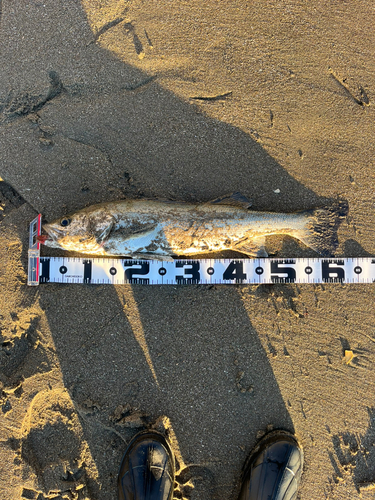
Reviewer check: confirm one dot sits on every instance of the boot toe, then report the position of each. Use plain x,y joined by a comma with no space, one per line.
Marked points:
274,469
147,469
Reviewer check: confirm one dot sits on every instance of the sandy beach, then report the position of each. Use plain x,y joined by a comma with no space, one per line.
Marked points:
104,100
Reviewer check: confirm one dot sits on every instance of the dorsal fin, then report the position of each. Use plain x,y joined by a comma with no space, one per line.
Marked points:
235,200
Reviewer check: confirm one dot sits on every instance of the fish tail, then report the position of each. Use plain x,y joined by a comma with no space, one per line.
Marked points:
321,227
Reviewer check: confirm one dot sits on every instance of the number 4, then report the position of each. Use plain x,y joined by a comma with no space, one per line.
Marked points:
234,272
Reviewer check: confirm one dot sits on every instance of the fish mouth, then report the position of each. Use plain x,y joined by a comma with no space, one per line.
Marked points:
42,238
53,234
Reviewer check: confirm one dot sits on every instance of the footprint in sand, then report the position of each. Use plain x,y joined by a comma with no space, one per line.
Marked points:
53,448
16,342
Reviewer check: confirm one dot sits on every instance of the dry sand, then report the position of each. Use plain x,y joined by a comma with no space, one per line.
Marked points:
187,100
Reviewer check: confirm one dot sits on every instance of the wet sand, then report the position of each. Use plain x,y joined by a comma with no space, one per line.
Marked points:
185,101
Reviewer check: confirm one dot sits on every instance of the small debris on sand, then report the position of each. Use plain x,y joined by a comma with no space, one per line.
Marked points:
349,356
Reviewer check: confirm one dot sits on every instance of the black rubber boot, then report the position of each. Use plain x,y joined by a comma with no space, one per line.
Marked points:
147,469
273,470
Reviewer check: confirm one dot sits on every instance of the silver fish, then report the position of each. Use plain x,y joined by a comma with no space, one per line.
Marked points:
164,230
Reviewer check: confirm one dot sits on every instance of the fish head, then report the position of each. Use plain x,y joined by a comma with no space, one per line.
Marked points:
84,231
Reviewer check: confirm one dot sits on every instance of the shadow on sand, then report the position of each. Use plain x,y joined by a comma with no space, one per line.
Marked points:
106,135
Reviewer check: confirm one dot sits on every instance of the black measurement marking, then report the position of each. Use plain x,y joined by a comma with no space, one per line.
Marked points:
139,281
193,270
259,270
63,270
235,272
44,276
210,271
333,273
87,271
162,271
277,269
358,269
142,271
308,270
113,271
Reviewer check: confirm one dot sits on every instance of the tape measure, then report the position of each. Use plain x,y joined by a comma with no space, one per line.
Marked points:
118,271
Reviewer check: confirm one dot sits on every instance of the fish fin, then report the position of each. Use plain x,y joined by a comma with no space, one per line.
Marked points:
235,200
152,256
253,247
321,227
104,233
101,225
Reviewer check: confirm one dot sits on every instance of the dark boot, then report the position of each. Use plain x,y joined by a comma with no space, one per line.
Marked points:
147,469
273,470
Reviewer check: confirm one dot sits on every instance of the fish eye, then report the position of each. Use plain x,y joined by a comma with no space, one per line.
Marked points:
65,222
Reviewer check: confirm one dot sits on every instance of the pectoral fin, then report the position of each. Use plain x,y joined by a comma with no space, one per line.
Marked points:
101,227
234,200
252,247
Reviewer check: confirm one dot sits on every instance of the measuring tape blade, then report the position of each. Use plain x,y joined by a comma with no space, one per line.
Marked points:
112,271
102,271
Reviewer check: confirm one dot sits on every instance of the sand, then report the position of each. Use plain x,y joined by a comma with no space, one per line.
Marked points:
102,100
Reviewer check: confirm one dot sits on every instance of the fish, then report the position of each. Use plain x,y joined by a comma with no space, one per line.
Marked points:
165,230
